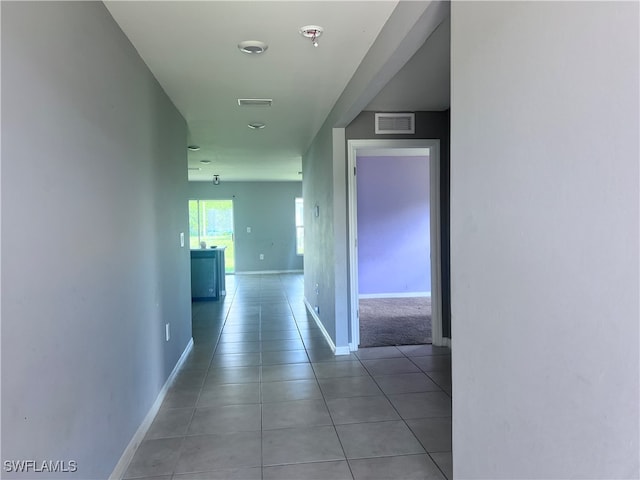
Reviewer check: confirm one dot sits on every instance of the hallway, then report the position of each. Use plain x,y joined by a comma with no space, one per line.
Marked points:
261,396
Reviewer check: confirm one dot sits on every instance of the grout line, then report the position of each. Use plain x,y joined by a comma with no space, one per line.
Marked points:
324,399
264,301
405,421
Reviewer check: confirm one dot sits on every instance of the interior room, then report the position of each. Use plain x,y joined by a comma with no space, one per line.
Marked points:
136,136
393,234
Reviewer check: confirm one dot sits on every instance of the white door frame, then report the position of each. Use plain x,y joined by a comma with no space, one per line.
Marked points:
377,147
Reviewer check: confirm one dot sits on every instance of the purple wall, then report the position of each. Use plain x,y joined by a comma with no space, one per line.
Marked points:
393,225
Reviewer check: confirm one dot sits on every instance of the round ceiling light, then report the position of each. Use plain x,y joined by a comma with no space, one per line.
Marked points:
253,47
205,161
193,148
256,126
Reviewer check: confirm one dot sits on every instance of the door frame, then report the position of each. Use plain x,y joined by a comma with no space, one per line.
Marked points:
377,147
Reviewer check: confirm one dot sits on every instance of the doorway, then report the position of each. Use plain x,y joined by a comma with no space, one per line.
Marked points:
211,225
427,271
393,231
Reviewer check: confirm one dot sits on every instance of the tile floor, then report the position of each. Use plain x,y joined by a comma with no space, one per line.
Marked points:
261,396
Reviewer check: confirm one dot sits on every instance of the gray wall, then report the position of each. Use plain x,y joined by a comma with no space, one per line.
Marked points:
320,265
269,209
544,239
94,197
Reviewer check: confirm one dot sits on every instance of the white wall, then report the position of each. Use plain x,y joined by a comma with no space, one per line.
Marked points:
93,201
544,240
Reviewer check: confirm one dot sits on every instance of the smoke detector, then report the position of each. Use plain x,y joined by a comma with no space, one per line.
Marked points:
312,32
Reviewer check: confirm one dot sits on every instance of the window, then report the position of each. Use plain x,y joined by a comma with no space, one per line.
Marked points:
299,227
211,222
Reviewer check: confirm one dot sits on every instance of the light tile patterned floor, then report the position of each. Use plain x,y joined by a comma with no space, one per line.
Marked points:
261,396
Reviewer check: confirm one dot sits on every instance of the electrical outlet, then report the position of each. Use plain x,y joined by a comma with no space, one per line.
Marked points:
262,256
317,309
167,332
248,229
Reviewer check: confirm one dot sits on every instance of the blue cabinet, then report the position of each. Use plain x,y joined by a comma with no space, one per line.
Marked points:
207,274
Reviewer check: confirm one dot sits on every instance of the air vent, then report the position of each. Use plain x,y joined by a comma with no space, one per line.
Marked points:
255,102
395,123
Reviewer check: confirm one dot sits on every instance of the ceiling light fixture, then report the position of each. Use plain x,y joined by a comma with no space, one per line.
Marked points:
205,161
312,32
193,148
194,168
256,126
216,179
252,47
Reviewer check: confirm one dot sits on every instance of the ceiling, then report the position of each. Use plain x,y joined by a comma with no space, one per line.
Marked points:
191,48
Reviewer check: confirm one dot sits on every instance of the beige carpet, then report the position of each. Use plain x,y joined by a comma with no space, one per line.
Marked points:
395,321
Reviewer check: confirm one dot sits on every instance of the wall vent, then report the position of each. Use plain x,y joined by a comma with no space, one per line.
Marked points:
395,123
255,102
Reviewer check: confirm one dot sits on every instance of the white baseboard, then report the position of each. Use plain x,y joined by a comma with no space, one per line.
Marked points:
129,452
343,350
395,295
337,350
267,272
315,317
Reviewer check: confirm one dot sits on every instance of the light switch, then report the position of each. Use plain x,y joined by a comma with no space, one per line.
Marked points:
182,239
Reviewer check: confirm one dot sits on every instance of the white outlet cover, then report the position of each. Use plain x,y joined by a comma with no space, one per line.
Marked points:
262,256
167,332
182,239
248,229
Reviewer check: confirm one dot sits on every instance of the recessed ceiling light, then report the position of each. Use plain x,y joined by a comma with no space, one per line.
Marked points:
253,47
205,161
256,126
194,168
193,148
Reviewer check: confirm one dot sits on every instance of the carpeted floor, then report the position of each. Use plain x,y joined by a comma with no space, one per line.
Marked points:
395,321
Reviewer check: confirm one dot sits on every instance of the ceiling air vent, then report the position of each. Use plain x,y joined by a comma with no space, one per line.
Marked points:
255,102
395,123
